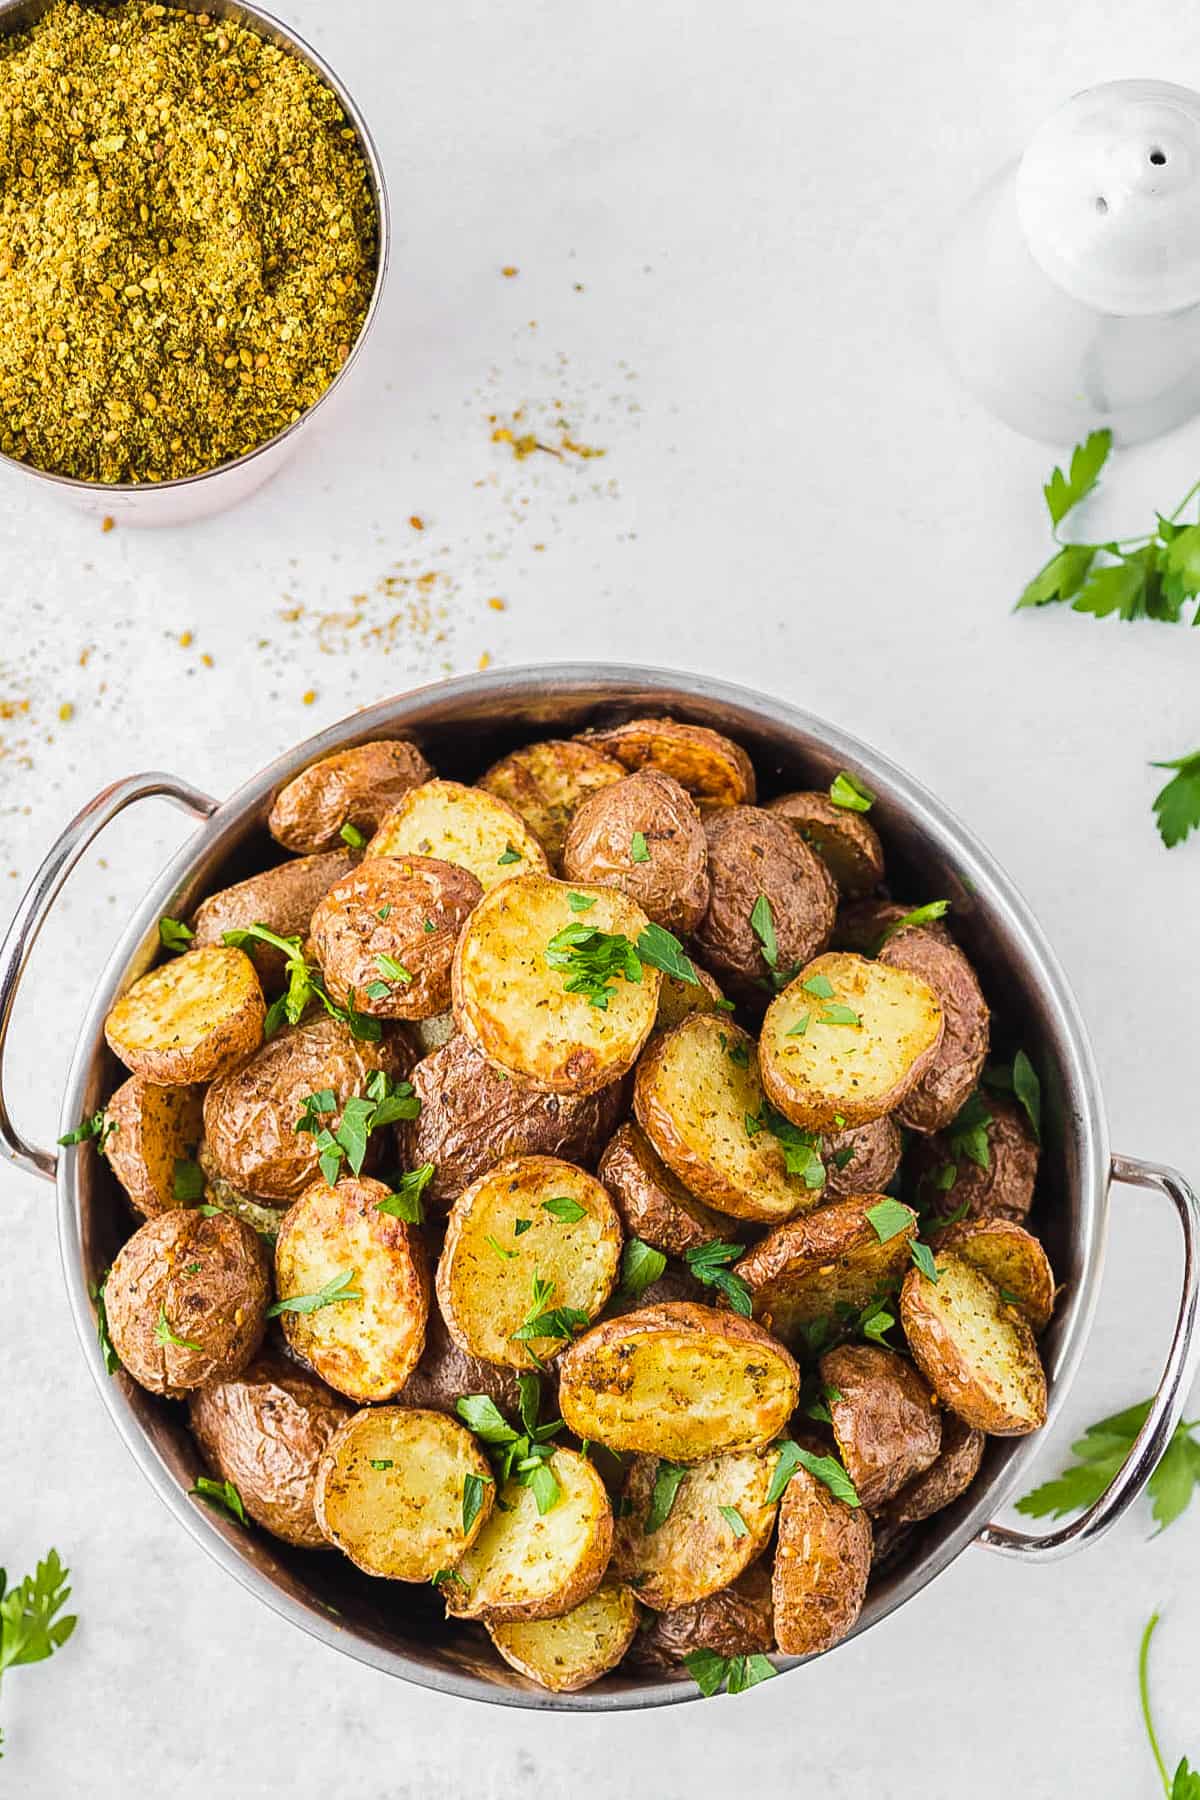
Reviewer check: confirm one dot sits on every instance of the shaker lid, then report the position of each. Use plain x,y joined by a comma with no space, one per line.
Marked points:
1108,196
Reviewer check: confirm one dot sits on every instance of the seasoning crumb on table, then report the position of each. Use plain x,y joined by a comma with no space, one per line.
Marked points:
188,241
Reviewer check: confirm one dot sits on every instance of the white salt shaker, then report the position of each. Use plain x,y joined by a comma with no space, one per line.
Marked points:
1070,294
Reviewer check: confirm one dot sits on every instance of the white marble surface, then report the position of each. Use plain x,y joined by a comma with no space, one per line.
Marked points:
725,223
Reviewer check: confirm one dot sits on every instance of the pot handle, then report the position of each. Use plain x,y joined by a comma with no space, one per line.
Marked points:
34,910
1169,1402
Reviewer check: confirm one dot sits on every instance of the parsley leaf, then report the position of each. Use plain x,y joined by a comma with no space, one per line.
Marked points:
304,985
709,1263
889,1218
639,850
335,1290
30,1626
967,1134
661,949
165,1335
1061,578
222,1495
563,1207
801,1149
524,1456
1087,460
352,836
510,856
581,902
404,1202
735,1674
472,1499
820,986
591,960
848,791
392,970
920,915
825,1468
173,934
187,1180
922,1257
99,1126
1020,1079
641,1266
112,1361
383,1103
1177,805
668,1478
481,1415
1101,1451
558,1322
735,1521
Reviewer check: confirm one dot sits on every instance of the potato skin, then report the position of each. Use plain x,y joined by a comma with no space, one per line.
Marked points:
676,998
654,1205
446,1372
155,1127
411,908
885,1421
802,1270
354,787
952,1473
936,1098
283,899
671,883
189,1020
1011,1257
548,1650
737,1620
860,1160
266,1431
473,1116
861,924
999,1388
625,1382
208,1278
545,783
752,852
715,771
846,841
822,1562
367,1348
250,1114
1004,1190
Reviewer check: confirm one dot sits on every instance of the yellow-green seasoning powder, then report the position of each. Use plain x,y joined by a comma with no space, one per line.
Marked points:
187,241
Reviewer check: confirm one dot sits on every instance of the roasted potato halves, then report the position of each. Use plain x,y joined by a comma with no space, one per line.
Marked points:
822,1561
945,1083
719,1521
975,1350
1013,1258
355,788
653,1204
353,1286
846,1041
546,782
462,825
715,771
535,1239
945,1479
577,1648
773,900
847,843
153,1129
266,1431
699,1100
528,1564
403,1492
644,836
385,934
680,1381
885,1421
830,1261
282,899
540,998
188,1020
999,1187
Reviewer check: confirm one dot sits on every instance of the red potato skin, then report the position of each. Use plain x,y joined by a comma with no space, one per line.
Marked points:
410,908
283,899
671,884
951,1077
1004,1190
885,1419
356,787
752,852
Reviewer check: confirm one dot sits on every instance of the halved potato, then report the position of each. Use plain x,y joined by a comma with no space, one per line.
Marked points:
577,1648
699,1100
644,836
446,1372
153,1129
976,1351
864,925
534,1225
354,788
947,1179
816,1266
652,1203
885,1422
515,1007
189,1019
1013,1258
385,934
390,1491
861,1159
546,782
822,1561
945,1084
755,859
676,998
527,1564
368,1346
463,825
713,769
681,1381
952,1473
847,843
846,1041
735,1621
698,1548
282,899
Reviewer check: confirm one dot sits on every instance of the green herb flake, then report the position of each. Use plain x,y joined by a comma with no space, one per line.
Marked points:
638,849
668,1478
923,1260
501,1252
382,1463
165,1335
734,1674
709,1263
581,902
223,1496
510,856
405,1202
472,1499
99,1126
846,790
819,986
392,970
800,1027
351,835
335,1291
112,1361
826,1469
173,934
187,1180
889,1218
641,1266
837,1014
735,1521
564,1208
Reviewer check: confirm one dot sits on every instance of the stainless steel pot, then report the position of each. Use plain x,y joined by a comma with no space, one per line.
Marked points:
462,725
213,490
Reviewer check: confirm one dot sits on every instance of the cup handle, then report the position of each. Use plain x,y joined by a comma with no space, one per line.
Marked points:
1169,1402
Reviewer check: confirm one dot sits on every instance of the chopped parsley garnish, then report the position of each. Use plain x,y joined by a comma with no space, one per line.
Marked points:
762,923
501,1252
392,970
920,915
524,1455
440,1577
173,934
735,1521
563,1207
801,1149
112,1361
922,1257
336,1290
967,1134
542,1322
164,1334
819,986
661,949
99,1126
668,1478
223,1496
825,1468
510,856
187,1180
591,959
521,1226
382,1463
709,1263
384,1102
889,1218
837,1014
712,1673
581,902
472,1499
404,1202
848,791
304,985
351,835
639,851
641,1266
1021,1080
800,1027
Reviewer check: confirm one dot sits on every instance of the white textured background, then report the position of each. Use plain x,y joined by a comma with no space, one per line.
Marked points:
726,222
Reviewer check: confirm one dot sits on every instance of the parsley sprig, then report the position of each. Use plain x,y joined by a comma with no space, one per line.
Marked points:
524,1455
98,1126
709,1263
801,1149
826,1468
762,924
337,1289
1185,1783
668,1479
31,1628
404,1202
304,985
591,960
641,1266
545,1321
1101,1451
384,1102
712,1673
222,1496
